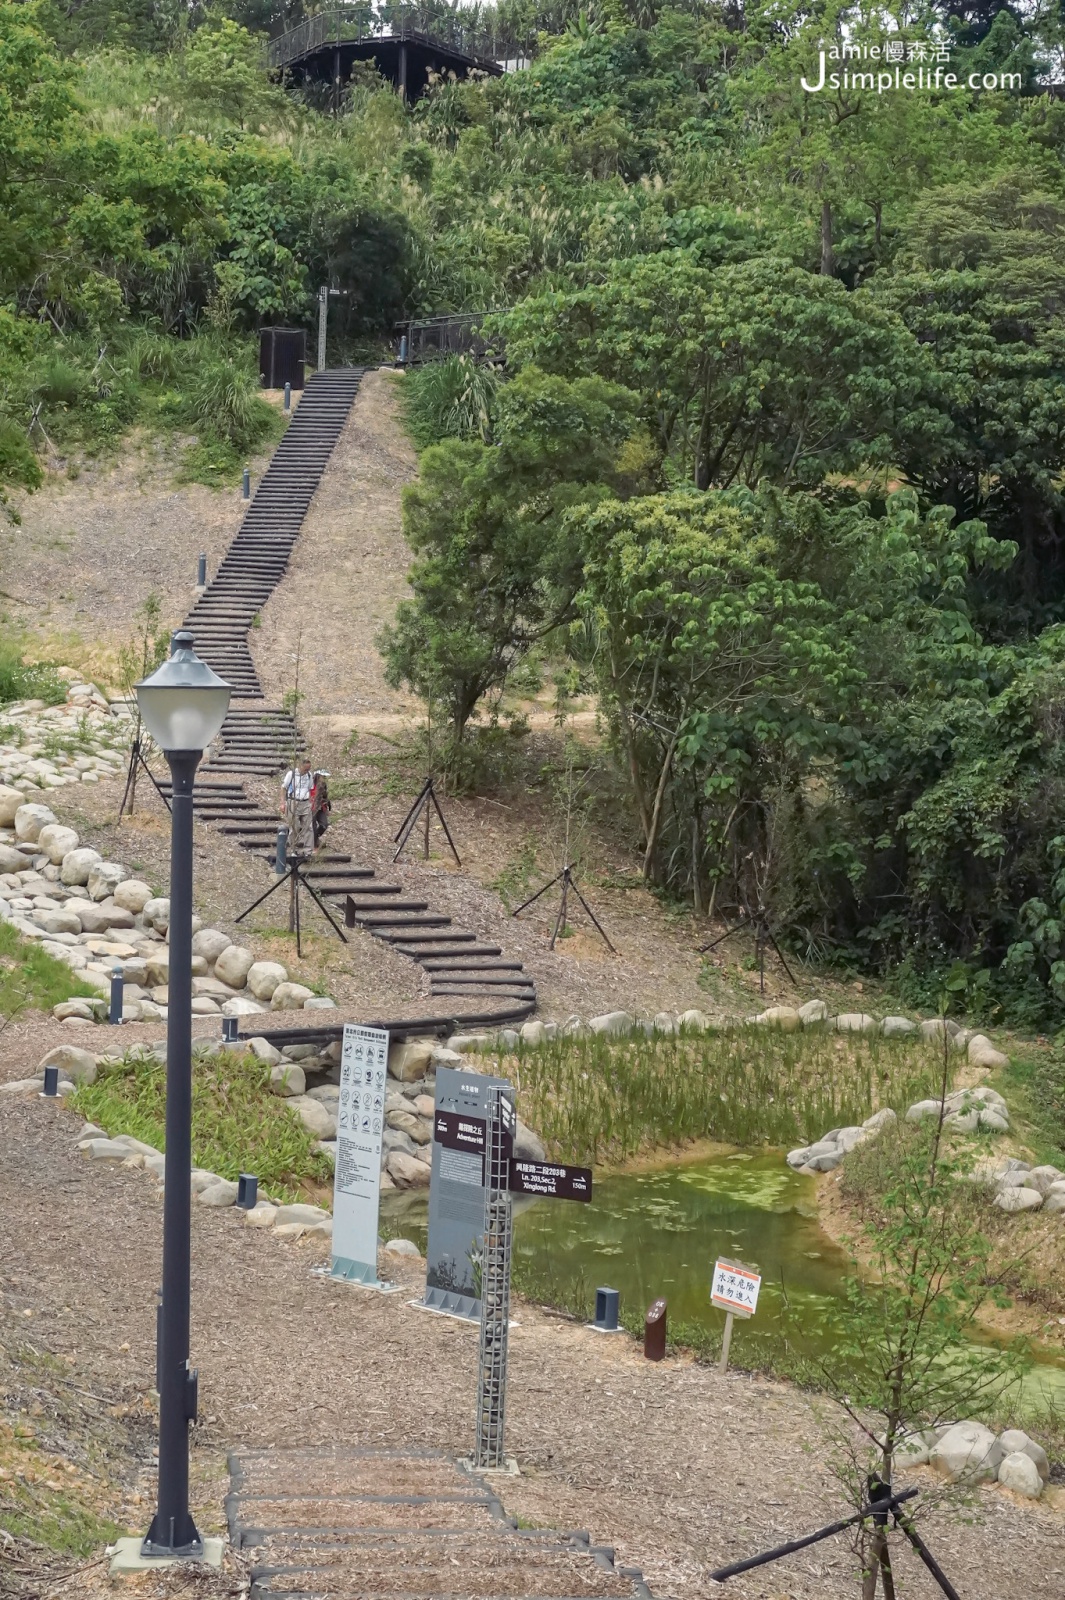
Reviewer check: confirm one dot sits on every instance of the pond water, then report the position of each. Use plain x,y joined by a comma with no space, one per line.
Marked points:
657,1233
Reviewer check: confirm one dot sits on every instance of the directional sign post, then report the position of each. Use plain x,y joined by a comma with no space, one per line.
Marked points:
357,1181
734,1288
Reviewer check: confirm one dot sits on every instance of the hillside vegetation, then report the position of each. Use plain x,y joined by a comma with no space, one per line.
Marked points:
769,457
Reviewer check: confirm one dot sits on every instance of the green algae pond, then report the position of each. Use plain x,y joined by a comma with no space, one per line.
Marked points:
656,1232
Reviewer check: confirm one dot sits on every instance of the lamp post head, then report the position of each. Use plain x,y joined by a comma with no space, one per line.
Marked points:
183,703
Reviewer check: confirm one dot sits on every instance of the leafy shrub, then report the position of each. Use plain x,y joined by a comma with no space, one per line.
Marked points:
61,383
18,463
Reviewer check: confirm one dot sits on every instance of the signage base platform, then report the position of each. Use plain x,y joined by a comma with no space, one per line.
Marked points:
450,1304
509,1469
594,1327
345,1271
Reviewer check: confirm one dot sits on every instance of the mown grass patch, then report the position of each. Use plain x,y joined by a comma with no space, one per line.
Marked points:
237,1124
603,1100
31,979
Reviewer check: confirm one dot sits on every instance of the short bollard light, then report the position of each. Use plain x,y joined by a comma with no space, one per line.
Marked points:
403,350
229,1029
247,1190
114,1014
606,1310
201,571
51,1083
246,484
288,397
654,1331
281,852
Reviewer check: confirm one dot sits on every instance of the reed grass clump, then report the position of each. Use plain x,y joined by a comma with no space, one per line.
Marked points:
603,1100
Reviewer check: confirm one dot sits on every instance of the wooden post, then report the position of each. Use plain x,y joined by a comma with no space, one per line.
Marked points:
725,1342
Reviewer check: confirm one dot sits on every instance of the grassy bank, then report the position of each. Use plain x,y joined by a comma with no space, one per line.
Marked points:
237,1124
31,979
603,1100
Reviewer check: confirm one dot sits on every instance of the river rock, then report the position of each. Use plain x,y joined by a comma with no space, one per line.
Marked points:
57,920
922,1109
156,913
132,895
1015,1439
813,1012
527,1144
316,1117
897,1027
1044,1178
849,1139
77,1007
401,1247
233,965
209,943
287,1078
406,1171
57,841
12,860
785,1018
30,819
880,1119
77,864
612,1022
222,1193
532,1034
1021,1199
241,1006
262,1215
962,1121
309,1216
104,1149
288,996
264,1051
982,1053
409,1060
10,801
935,1028
1020,1473
994,1120
157,967
77,1065
320,1002
412,1125
967,1452
263,978
855,1022
104,879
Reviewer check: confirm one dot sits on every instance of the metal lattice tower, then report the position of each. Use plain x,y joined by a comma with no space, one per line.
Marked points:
495,1280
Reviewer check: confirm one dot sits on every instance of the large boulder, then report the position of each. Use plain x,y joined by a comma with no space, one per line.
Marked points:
316,1118
57,920
12,860
855,1022
290,997
263,1050
29,819
880,1119
100,918
241,1005
1015,1439
409,1060
813,1012
105,878
233,965
57,841
10,801
982,1053
132,894
1043,1178
1022,1199
612,1022
263,978
309,1216
897,1027
1020,1473
532,1033
407,1172
77,1065
784,1018
286,1077
157,967
408,1122
209,943
967,1452
156,913
77,865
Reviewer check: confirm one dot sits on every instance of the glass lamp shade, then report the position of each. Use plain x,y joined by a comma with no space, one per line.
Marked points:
183,703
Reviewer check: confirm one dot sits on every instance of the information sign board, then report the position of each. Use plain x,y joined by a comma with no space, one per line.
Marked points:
456,1192
735,1288
357,1180
553,1182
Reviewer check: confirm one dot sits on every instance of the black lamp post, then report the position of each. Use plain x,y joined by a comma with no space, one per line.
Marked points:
183,705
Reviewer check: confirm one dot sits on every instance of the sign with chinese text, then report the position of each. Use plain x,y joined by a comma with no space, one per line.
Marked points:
456,1193
357,1180
555,1182
735,1288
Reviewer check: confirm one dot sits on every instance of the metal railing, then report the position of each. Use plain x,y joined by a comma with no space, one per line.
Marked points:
355,23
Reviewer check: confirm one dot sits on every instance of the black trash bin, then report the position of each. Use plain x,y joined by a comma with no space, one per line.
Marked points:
282,353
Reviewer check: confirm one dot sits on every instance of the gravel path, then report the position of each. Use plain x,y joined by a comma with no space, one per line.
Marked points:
675,1466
